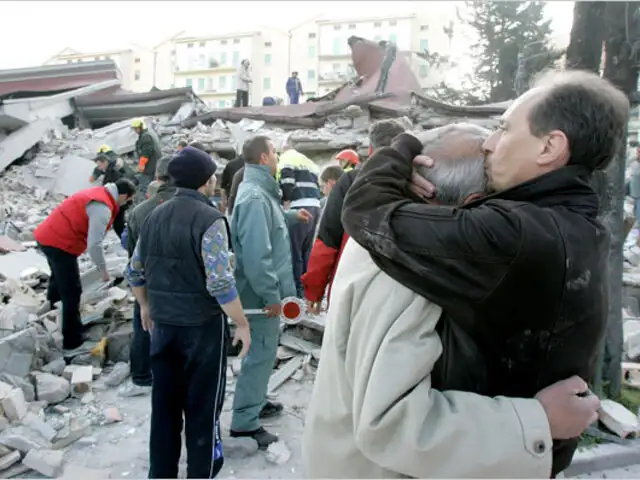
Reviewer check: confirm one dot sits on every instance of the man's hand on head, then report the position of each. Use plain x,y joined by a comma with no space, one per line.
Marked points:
422,187
410,148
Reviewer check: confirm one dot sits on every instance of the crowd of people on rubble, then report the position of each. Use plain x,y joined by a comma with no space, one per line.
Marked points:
464,270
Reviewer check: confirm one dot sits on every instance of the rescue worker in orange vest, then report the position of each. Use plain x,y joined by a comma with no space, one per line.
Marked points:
148,153
78,224
348,159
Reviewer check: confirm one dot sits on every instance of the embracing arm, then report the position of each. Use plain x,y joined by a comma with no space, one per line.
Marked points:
443,252
404,425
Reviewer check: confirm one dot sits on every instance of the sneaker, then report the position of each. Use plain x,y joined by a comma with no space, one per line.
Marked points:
271,410
133,390
261,436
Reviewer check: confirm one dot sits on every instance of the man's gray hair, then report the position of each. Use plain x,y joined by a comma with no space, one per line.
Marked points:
458,171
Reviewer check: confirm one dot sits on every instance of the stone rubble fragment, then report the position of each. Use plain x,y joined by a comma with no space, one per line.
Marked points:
14,404
278,453
46,462
81,380
118,374
51,388
9,459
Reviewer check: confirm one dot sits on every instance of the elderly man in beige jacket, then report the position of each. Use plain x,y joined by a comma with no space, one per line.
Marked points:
374,414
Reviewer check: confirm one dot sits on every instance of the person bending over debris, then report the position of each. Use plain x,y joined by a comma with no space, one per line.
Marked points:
265,276
181,273
148,153
331,237
300,189
78,224
520,275
139,349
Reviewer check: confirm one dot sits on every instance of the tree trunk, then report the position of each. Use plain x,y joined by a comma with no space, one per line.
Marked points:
587,34
621,70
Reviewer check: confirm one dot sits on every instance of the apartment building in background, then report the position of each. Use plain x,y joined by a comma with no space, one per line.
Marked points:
141,68
209,65
321,54
317,49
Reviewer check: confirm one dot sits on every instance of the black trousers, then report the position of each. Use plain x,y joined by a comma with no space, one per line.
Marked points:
242,98
65,286
301,236
189,366
139,352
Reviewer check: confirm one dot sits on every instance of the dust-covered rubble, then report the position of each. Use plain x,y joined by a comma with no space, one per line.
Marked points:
52,404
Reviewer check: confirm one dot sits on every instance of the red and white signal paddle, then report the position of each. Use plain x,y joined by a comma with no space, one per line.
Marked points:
293,310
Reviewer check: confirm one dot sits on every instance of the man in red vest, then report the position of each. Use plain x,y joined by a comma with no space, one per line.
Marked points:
78,224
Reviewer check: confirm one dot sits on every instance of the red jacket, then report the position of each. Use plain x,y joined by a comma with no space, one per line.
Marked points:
331,240
67,226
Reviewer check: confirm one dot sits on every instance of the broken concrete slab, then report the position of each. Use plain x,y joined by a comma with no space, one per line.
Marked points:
51,388
618,419
14,405
13,264
10,245
17,352
9,459
44,461
17,143
73,175
23,439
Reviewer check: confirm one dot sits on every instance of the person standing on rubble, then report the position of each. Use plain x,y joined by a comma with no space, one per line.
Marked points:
147,152
331,237
294,88
348,159
78,224
264,276
300,189
139,350
112,168
181,273
243,83
229,171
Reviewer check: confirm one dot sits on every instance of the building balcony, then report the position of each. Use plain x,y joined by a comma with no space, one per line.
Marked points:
215,93
335,77
334,56
206,69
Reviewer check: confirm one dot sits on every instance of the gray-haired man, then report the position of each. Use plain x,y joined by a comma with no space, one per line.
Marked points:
363,400
139,349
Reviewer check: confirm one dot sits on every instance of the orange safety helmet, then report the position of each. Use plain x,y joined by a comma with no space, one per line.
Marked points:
350,157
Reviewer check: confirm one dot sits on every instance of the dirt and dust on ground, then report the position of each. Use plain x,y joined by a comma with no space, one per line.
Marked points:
120,449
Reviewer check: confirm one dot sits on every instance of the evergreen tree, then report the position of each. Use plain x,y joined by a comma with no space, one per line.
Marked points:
508,33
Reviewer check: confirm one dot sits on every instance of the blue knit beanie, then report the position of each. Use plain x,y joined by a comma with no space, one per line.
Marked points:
191,168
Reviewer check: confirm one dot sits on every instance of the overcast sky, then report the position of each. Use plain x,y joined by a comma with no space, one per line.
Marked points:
33,31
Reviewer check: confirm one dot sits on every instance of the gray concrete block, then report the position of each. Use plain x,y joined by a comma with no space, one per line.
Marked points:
51,388
17,351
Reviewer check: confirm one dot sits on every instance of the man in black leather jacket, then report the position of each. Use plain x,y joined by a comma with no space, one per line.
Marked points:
522,271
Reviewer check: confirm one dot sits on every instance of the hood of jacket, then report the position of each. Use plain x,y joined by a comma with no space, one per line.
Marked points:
261,175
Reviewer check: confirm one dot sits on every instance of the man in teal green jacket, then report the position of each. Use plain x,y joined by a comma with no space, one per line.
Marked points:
264,276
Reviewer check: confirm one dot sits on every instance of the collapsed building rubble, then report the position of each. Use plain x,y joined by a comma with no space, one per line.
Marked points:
51,402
